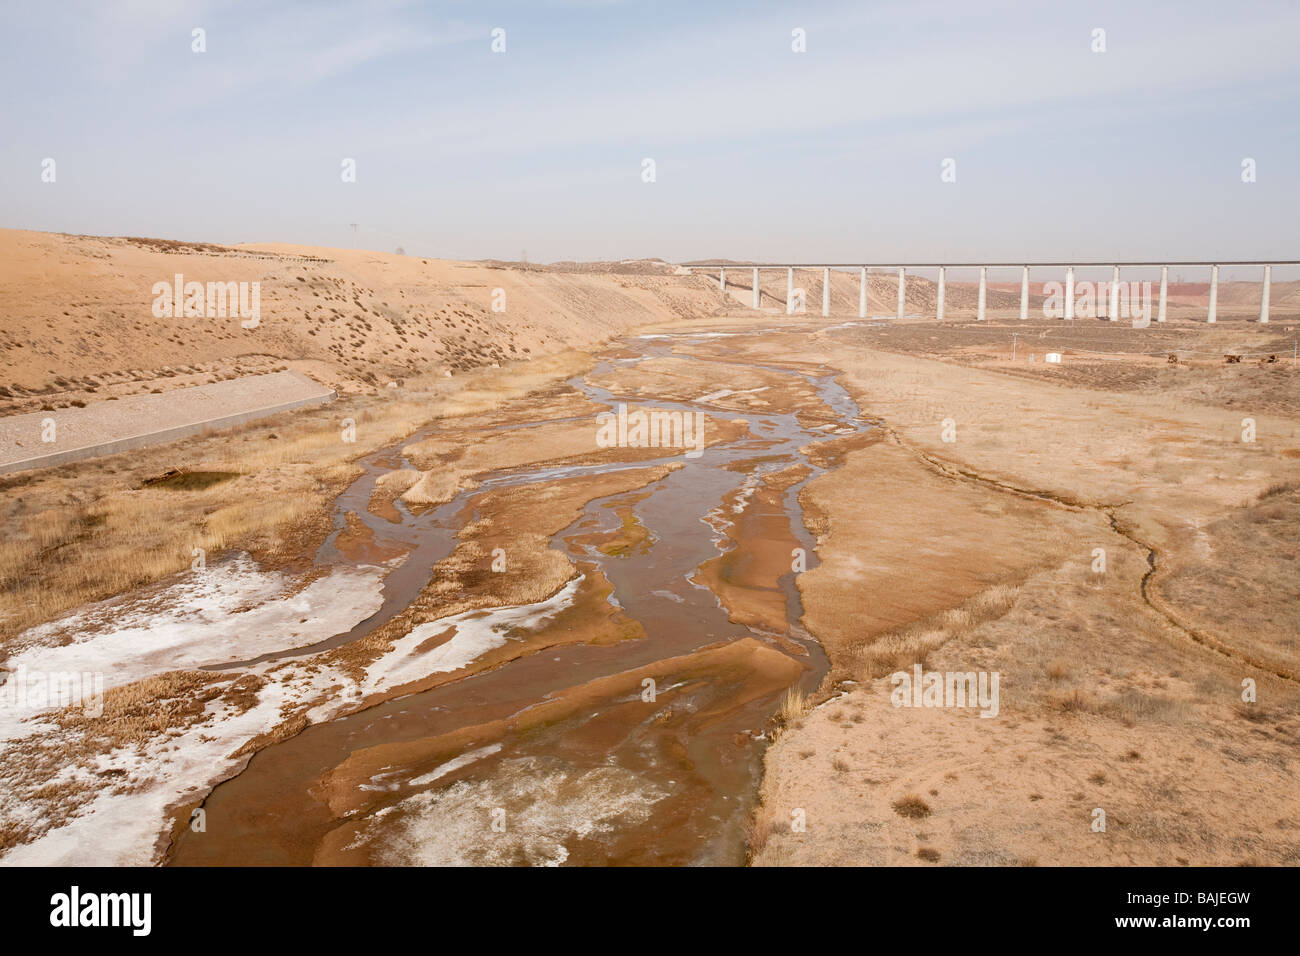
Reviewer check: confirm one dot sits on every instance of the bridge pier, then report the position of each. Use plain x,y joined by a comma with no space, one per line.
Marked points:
1214,293
1263,295
1108,302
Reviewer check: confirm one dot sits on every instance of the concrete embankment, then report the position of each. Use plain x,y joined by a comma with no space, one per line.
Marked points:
46,438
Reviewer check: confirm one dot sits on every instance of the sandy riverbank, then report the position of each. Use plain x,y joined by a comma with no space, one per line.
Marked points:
979,555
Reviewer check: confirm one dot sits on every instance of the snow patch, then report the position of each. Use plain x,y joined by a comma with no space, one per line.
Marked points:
547,804
464,760
475,633
227,612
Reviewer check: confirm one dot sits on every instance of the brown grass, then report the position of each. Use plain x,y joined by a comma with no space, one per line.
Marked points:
759,830
910,645
87,532
1074,701
912,807
794,704
133,715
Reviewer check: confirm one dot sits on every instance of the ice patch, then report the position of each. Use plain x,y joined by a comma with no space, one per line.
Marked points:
121,823
747,490
723,393
476,633
547,804
464,760
227,612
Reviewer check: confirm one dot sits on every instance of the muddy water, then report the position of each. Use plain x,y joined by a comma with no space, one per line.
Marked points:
561,756
425,538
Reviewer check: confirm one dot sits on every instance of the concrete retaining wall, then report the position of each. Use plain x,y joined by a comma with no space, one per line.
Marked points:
137,421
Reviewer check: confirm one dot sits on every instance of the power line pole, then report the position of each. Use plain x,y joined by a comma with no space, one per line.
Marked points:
1013,345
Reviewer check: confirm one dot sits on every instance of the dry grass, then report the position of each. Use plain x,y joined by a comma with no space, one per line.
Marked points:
1254,713
1238,584
910,645
1094,680
133,716
1074,701
794,704
759,830
124,538
88,532
912,807
1278,488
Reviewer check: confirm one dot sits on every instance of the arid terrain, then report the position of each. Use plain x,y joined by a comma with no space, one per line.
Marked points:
466,613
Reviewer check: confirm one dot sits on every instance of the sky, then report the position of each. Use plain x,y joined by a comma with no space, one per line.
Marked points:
836,153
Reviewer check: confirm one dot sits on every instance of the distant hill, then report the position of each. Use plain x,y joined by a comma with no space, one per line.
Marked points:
76,313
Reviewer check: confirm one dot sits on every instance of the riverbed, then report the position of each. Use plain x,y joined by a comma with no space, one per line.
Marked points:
644,749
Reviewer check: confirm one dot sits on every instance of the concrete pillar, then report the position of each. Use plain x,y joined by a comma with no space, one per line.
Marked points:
1214,293
789,291
757,295
1263,295
983,283
1114,295
1024,294
1069,292
722,280
902,290
1164,293
826,292
939,302
862,293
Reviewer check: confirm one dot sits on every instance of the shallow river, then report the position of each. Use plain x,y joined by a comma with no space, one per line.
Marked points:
610,780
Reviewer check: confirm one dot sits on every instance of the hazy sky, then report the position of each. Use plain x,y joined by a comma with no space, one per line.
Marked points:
760,152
